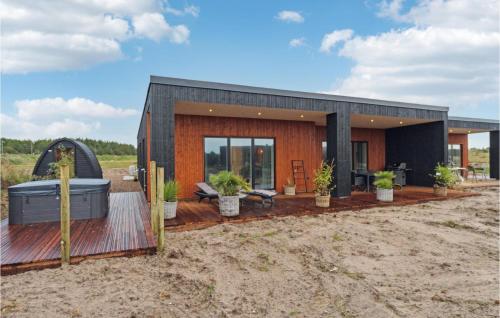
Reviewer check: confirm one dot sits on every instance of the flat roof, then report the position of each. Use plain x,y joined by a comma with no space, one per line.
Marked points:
474,120
281,92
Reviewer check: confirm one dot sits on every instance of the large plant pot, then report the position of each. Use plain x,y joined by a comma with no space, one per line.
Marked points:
440,191
322,201
289,190
170,209
229,205
385,195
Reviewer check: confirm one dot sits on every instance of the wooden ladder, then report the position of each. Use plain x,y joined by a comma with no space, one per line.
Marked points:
299,175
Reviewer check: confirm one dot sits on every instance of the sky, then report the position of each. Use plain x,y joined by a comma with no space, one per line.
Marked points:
80,68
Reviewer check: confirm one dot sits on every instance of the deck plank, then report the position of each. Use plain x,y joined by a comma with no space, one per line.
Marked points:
194,215
125,231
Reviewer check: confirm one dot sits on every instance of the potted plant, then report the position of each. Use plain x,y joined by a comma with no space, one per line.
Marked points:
170,197
289,187
443,178
229,185
323,179
383,182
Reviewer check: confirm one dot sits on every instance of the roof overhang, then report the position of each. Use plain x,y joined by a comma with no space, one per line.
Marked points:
288,93
468,125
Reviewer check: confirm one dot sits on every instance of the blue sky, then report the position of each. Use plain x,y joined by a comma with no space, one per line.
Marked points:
401,50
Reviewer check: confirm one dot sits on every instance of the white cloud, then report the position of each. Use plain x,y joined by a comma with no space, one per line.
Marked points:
330,39
449,55
290,16
154,26
297,42
79,107
56,117
74,34
188,10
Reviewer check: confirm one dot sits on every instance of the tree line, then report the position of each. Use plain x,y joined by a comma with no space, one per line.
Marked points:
99,147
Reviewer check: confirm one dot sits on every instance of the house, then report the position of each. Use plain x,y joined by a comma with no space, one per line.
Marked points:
195,128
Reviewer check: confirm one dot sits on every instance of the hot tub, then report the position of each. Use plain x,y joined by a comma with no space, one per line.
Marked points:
38,201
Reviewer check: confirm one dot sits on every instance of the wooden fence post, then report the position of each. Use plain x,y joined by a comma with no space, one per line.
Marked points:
65,214
154,200
161,212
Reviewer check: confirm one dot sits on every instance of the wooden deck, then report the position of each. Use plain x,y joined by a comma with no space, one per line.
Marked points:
125,232
193,215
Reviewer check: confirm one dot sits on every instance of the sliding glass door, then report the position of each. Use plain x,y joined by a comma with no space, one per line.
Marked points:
251,158
215,156
241,157
263,154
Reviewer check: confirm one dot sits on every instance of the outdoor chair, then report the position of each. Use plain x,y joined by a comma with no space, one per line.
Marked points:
472,169
207,192
267,196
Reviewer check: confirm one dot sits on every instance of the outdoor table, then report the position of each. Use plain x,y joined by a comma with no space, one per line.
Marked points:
367,175
458,171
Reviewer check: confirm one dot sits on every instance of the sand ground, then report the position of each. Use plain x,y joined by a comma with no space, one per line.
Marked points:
435,259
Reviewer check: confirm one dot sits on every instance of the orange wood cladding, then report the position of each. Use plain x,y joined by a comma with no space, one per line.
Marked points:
463,140
376,144
293,140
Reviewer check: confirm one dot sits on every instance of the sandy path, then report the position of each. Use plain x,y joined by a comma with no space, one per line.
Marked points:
431,260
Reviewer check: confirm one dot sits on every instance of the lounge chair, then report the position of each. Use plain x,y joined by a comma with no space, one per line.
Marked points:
207,192
267,196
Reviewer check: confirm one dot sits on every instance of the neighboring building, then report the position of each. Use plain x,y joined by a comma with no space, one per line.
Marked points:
195,128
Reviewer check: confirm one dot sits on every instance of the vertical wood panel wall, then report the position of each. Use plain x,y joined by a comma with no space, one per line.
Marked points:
376,144
293,140
463,140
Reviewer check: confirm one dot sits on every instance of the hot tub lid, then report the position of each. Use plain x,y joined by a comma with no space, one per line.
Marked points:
49,187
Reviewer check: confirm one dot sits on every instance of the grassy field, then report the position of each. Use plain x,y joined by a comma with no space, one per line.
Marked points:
479,155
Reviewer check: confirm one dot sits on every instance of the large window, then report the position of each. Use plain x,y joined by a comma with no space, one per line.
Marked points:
455,154
360,155
251,158
215,156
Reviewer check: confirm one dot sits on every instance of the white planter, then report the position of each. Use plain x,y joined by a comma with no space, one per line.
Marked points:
385,195
289,190
229,205
170,209
322,201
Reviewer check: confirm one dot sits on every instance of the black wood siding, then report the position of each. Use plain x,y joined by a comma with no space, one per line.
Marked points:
422,147
494,154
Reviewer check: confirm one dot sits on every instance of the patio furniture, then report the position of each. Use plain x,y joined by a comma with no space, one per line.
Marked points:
458,171
358,182
367,175
471,168
267,196
207,192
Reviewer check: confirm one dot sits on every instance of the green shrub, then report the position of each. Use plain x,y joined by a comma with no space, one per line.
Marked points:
323,179
170,191
383,179
444,176
228,184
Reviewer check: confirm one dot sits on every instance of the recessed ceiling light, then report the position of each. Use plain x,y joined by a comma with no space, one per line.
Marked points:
451,130
301,116
400,122
210,110
468,131
259,113
371,120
